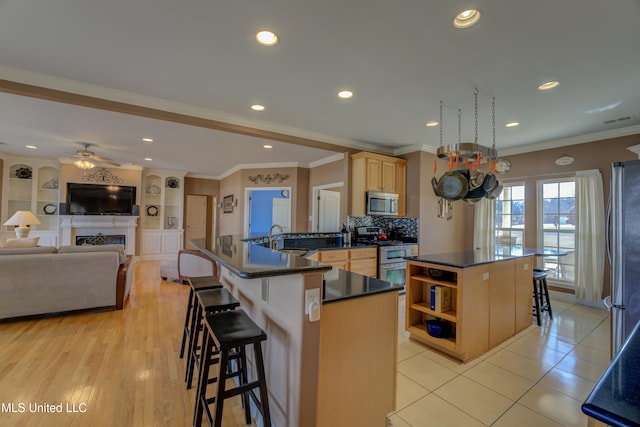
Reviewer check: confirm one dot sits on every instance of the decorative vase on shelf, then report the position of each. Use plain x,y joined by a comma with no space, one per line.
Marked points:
171,221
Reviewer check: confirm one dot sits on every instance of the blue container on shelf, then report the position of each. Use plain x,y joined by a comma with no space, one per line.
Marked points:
438,328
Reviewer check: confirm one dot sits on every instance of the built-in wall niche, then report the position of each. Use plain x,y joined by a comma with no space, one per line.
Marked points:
172,202
161,213
31,185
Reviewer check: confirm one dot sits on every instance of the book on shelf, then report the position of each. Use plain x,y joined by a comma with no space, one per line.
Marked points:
440,298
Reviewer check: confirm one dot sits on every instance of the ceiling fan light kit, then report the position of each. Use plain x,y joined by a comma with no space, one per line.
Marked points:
84,164
86,159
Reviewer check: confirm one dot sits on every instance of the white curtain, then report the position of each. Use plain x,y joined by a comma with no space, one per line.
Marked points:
590,236
484,224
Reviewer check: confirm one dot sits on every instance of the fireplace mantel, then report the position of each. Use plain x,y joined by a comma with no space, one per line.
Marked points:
72,225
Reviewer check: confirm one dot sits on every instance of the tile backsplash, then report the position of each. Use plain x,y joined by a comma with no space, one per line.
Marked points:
410,224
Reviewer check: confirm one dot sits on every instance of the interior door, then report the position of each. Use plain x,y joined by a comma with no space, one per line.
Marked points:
328,211
281,213
196,224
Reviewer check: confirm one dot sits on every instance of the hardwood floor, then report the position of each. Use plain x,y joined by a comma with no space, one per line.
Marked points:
113,368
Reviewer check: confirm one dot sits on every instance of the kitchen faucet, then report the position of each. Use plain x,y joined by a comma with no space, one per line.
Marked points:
270,231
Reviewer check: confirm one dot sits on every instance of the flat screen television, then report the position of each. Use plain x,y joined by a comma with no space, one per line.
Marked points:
95,199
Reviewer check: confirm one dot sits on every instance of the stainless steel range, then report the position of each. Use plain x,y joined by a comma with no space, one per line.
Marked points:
391,253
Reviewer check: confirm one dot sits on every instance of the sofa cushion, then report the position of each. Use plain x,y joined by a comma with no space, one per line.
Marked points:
95,248
26,251
25,242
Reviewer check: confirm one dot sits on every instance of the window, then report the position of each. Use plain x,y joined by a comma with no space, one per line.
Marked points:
510,215
557,227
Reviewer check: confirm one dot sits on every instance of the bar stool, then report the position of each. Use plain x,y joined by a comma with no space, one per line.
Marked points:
541,301
208,302
227,331
196,284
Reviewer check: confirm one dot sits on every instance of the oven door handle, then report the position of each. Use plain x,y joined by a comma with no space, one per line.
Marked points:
393,266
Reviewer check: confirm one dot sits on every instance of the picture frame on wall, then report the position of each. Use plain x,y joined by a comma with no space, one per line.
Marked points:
227,204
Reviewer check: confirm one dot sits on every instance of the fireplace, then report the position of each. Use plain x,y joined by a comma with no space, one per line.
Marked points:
101,239
101,228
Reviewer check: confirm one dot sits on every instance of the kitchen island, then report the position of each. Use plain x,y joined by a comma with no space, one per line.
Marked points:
466,303
337,370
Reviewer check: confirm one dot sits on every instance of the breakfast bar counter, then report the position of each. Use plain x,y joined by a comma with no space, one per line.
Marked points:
466,303
319,370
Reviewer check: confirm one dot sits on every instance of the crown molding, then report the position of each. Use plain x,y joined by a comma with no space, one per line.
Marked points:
574,140
327,160
413,148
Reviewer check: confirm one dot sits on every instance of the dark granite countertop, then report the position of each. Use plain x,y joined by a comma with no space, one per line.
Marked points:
340,285
615,400
249,261
479,256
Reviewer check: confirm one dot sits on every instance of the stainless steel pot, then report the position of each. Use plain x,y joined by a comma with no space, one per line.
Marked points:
453,185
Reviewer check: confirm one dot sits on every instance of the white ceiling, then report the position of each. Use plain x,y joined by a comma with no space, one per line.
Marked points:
399,57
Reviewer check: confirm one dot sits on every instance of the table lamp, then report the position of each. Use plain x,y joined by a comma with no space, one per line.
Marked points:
22,219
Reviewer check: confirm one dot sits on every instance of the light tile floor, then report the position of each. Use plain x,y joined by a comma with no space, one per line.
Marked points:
538,378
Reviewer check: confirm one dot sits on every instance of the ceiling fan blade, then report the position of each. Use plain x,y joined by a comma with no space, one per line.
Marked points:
103,160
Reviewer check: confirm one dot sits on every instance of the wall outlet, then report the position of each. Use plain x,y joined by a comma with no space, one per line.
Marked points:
311,296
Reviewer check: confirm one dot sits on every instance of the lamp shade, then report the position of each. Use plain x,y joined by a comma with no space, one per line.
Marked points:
22,219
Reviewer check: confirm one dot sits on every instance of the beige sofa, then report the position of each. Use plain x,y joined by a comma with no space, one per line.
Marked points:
43,280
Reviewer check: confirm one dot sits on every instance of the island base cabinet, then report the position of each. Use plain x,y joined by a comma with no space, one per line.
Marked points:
502,297
488,304
524,299
358,361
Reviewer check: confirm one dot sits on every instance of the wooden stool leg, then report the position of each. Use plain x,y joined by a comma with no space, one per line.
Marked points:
536,300
262,379
203,379
244,379
546,295
193,345
187,318
222,381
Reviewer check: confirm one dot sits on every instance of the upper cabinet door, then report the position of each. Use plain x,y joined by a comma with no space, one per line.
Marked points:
388,184
374,174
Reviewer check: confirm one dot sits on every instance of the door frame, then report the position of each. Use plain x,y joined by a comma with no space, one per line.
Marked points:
247,203
315,191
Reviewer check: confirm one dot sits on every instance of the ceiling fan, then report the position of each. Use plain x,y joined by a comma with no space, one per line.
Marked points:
85,158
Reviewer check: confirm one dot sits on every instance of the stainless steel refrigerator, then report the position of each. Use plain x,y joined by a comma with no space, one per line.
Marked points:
624,250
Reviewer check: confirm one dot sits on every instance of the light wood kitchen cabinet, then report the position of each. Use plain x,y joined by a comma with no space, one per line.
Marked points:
362,261
375,172
401,188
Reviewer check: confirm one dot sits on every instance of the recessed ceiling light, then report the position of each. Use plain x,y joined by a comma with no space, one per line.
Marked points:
257,107
147,139
267,38
466,19
148,159
345,94
548,85
31,147
512,124
430,124
267,146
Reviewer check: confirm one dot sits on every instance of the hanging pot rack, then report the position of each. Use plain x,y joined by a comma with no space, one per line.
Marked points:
469,150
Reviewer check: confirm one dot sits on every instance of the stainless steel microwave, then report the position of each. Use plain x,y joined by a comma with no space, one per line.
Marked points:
382,203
